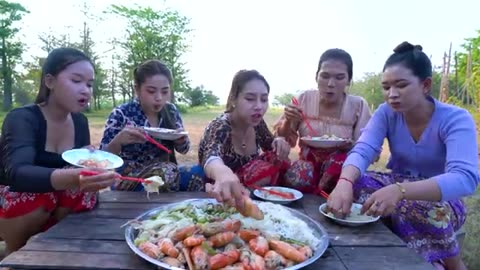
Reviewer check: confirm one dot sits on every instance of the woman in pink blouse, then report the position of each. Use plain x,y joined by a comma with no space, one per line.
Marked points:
330,111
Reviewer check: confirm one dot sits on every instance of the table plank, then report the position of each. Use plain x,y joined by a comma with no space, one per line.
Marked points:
78,245
74,261
141,197
88,228
376,234
80,260
366,258
329,259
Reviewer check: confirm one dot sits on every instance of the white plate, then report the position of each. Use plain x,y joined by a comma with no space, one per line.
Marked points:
165,133
276,199
318,142
75,155
353,223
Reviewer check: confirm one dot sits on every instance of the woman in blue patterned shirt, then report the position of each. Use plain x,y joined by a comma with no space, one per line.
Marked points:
151,108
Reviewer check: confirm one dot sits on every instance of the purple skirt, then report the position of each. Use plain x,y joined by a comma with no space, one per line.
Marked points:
427,227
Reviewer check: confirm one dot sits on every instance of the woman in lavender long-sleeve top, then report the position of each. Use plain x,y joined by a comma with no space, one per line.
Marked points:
434,162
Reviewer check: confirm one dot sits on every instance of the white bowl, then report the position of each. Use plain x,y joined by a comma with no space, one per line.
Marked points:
318,142
165,133
277,199
75,155
355,209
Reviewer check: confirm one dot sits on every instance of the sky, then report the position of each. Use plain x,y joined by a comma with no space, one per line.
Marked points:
282,39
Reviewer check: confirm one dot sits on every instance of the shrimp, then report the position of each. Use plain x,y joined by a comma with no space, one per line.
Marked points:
237,266
194,240
172,262
199,258
232,225
247,235
306,250
150,249
188,258
251,261
181,234
250,209
181,258
259,245
223,259
221,239
273,260
287,251
166,247
213,228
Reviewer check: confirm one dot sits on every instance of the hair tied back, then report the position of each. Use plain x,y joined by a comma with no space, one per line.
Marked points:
407,47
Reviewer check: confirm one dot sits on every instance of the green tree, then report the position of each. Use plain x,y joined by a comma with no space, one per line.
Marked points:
469,71
199,96
282,100
153,34
370,88
11,49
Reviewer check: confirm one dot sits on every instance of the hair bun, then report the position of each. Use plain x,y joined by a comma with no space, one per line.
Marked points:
406,47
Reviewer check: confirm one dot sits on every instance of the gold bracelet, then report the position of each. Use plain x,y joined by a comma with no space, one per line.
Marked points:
402,189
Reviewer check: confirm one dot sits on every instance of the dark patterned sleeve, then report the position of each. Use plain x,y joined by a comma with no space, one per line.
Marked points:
19,153
184,147
116,121
264,136
212,143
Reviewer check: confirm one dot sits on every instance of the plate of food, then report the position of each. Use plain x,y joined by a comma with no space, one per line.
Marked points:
276,194
203,234
165,133
86,158
352,220
324,141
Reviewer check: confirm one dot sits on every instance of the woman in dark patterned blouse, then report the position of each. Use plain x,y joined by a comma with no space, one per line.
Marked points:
36,186
229,149
124,136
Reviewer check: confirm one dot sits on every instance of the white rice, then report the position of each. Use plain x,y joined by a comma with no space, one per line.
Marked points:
278,220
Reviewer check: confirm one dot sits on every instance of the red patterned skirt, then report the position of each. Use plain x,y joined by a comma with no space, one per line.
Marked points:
16,204
316,169
266,170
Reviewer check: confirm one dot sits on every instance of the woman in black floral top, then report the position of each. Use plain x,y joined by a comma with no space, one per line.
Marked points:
229,150
151,108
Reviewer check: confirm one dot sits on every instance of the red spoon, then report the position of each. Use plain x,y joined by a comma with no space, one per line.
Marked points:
92,173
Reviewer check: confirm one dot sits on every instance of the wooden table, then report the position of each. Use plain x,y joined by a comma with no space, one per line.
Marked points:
94,240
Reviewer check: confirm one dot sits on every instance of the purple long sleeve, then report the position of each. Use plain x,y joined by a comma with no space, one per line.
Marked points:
461,168
369,144
447,150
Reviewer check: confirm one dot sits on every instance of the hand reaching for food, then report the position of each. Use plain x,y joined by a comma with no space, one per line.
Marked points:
233,193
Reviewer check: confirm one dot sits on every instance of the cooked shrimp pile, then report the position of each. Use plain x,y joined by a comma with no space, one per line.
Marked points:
208,238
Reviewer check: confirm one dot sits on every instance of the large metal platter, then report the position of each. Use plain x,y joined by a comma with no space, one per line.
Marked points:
318,230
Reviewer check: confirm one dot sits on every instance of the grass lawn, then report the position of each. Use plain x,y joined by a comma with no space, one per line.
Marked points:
196,120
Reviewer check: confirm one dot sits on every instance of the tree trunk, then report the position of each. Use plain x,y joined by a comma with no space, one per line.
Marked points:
7,79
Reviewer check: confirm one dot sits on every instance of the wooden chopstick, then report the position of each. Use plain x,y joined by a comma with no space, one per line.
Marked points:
312,131
92,173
